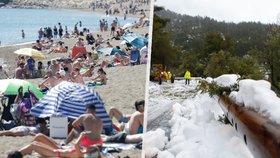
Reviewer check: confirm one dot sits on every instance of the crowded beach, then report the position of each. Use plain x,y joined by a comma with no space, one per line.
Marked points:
109,64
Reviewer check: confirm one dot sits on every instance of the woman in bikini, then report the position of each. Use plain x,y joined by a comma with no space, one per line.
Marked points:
47,147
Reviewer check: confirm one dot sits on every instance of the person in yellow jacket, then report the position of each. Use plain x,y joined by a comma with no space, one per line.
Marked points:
169,75
187,77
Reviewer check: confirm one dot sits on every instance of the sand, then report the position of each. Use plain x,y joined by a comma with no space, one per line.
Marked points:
125,85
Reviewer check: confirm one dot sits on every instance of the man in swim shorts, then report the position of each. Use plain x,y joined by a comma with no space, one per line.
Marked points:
91,124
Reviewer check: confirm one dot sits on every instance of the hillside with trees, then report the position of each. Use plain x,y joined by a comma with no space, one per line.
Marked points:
211,48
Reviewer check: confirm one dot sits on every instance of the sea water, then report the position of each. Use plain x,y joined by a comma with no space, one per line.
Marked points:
13,20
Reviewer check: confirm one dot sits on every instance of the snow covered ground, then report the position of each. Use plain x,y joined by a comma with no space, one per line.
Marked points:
184,123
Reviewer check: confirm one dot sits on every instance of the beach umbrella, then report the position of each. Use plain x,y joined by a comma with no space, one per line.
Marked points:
128,25
11,86
70,99
136,40
111,51
30,52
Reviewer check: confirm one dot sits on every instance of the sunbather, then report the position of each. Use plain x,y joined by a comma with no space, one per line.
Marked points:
27,130
86,122
123,137
132,124
47,147
101,78
48,83
89,72
77,77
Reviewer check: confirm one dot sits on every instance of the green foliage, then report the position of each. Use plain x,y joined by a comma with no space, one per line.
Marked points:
214,89
163,52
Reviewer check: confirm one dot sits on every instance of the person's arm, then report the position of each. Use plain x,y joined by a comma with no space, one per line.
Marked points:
78,121
43,83
77,143
96,77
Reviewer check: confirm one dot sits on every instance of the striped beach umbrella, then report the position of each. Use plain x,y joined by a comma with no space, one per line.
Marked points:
70,99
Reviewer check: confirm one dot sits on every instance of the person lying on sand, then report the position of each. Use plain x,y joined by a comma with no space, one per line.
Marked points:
47,147
123,137
132,124
117,61
21,131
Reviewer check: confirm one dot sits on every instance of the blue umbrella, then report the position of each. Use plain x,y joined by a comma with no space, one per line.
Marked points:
136,40
111,51
70,99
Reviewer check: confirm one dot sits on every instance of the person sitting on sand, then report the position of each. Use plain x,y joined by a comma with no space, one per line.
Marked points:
89,122
89,72
66,35
38,46
21,131
59,78
60,48
80,43
67,75
101,78
77,77
90,39
20,72
48,83
132,124
77,63
99,39
20,60
54,67
89,59
3,73
47,147
109,45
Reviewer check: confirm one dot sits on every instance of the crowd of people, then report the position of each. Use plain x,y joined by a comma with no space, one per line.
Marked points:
86,129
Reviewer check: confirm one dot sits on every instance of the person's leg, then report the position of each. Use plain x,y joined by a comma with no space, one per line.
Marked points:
135,122
115,113
39,148
46,140
12,133
74,133
136,138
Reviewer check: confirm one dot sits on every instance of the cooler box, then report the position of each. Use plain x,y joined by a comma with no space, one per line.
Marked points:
58,127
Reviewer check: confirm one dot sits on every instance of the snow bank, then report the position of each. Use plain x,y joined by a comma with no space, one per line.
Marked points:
226,80
154,142
195,131
259,96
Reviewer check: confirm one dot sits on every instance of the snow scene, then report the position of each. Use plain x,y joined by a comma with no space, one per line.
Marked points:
184,122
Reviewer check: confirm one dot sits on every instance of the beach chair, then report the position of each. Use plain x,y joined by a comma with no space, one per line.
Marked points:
135,57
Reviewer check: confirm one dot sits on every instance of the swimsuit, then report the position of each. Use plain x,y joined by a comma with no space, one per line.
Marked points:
123,119
84,142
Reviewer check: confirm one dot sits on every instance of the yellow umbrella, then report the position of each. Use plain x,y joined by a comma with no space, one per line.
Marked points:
30,52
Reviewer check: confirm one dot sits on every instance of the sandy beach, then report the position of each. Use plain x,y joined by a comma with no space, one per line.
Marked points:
125,85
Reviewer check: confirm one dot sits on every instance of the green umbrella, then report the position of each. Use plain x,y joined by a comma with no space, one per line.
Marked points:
11,86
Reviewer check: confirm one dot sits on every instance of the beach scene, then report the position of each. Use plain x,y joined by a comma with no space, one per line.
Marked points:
73,76
213,89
